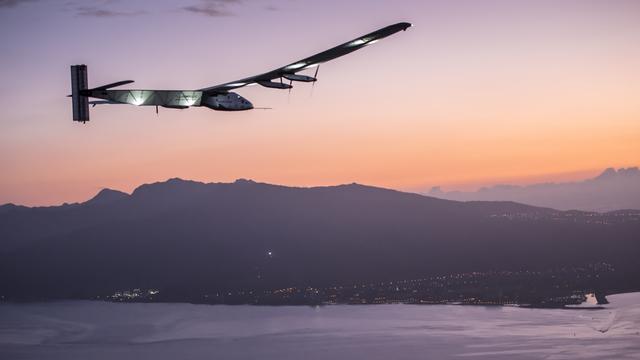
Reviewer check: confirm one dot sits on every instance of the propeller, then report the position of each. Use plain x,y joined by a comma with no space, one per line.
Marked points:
315,76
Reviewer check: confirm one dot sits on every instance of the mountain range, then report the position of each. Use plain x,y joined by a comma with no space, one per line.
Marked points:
611,190
190,237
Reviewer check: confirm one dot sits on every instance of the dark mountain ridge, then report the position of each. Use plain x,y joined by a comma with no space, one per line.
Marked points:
106,196
191,237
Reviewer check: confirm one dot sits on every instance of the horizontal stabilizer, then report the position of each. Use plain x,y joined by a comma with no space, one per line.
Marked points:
93,103
112,85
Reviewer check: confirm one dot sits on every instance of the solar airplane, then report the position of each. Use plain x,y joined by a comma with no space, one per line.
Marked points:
219,97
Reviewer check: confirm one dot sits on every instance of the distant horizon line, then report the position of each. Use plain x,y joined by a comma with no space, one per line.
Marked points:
421,190
531,180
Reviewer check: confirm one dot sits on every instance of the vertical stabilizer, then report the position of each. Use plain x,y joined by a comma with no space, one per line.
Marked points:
79,101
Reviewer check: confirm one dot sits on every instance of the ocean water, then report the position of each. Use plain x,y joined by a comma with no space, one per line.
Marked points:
100,330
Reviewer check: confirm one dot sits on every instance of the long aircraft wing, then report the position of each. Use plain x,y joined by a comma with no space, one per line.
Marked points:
290,70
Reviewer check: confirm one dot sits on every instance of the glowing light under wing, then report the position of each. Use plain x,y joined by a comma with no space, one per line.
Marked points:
357,42
238,84
295,66
137,100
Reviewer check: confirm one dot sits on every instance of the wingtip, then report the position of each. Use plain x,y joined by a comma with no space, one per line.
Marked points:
405,25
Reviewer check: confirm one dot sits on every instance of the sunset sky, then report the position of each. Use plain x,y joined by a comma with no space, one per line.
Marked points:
476,93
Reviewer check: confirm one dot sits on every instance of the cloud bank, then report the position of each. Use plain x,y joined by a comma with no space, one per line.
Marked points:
611,190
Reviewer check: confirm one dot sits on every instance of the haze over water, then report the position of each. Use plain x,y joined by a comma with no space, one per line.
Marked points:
97,330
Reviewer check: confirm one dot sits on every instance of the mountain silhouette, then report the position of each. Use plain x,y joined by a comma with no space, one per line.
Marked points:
190,237
106,196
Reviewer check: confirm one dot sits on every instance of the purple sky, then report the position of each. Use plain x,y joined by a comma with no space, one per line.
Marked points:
477,92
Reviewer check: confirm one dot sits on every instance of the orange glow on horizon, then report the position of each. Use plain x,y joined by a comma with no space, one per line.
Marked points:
474,96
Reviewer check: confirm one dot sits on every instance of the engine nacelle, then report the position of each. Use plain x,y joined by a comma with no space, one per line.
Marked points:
227,102
274,85
301,78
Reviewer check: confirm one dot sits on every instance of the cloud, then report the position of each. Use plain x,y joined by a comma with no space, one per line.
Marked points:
105,8
212,8
13,3
206,10
611,190
100,8
102,12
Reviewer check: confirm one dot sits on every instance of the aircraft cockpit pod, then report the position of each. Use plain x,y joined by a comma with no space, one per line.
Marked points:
227,102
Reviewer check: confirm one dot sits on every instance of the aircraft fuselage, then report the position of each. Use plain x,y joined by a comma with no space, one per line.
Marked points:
179,99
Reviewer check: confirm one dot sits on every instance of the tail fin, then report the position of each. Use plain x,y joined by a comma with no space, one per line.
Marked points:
79,101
